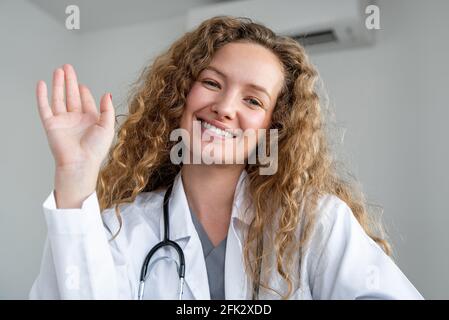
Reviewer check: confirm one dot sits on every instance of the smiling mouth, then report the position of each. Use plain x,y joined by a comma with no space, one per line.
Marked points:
215,130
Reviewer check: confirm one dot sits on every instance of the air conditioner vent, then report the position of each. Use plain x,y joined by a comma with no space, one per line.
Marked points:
317,37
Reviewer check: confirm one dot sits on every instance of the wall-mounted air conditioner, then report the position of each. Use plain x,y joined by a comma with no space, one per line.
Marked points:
320,25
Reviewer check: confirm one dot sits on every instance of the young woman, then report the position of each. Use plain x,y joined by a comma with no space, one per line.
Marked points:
230,232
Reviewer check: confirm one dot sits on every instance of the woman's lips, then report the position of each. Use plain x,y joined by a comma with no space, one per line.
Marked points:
206,133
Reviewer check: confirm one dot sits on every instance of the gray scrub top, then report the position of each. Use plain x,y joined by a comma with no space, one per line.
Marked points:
215,260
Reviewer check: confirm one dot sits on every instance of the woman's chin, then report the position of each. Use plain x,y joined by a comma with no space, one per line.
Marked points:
213,153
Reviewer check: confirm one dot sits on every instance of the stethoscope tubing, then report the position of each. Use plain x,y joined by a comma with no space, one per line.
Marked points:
165,242
181,270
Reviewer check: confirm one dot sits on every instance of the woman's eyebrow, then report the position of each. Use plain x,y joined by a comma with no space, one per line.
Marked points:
252,85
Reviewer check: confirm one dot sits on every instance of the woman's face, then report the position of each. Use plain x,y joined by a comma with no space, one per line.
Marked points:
237,92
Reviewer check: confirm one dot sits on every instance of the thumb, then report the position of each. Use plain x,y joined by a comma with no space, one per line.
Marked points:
107,118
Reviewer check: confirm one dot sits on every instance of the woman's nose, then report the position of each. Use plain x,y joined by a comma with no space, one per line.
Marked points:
225,108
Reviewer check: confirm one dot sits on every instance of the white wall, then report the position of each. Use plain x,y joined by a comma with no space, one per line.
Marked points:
433,79
119,55
31,44
389,97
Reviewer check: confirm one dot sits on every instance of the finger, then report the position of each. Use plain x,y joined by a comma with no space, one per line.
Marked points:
71,89
57,95
106,112
42,101
87,100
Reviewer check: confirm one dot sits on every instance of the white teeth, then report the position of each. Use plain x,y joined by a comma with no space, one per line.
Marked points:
216,130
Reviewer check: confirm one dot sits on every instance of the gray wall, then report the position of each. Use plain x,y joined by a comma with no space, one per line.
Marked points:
389,98
31,45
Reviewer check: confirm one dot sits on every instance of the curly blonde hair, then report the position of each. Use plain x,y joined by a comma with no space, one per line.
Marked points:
139,161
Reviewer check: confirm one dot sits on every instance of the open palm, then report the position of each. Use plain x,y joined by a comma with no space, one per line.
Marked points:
78,135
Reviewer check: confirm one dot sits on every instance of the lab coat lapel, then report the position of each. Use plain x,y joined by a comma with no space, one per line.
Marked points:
184,233
237,285
236,282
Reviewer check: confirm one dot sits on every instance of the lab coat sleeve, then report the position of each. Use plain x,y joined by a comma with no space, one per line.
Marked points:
78,261
348,264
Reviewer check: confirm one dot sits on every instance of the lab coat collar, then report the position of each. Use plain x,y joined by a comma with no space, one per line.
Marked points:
241,201
182,231
181,225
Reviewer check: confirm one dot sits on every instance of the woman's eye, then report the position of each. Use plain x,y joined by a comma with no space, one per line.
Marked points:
255,102
211,83
252,101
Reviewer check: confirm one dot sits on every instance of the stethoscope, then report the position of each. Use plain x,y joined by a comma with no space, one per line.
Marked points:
182,266
163,243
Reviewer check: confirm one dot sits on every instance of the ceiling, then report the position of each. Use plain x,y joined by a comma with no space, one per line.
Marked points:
104,14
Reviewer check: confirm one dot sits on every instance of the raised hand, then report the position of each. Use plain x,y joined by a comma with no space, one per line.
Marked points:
79,136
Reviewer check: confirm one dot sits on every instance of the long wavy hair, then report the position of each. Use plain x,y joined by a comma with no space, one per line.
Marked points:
139,160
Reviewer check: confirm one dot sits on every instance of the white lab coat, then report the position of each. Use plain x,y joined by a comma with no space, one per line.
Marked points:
79,261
